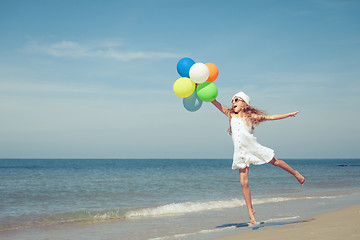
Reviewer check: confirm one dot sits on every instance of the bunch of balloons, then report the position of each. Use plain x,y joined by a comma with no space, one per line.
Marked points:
196,83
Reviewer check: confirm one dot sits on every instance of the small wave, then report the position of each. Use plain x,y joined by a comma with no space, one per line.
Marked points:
182,208
191,207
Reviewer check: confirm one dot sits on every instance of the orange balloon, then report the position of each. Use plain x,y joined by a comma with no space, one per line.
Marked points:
214,72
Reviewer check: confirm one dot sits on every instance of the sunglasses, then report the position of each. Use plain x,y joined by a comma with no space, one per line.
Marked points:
235,100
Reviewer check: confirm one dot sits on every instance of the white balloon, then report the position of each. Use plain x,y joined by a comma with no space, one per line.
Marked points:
199,73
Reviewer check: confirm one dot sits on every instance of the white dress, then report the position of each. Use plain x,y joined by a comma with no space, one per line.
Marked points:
246,149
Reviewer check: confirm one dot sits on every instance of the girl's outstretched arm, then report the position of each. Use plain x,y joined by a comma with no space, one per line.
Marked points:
279,116
219,106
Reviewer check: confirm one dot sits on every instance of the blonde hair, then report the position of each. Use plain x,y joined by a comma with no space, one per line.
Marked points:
248,115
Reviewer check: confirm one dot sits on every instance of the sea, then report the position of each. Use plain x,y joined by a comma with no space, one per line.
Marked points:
163,198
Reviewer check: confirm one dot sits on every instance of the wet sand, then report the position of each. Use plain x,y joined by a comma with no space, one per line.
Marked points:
340,224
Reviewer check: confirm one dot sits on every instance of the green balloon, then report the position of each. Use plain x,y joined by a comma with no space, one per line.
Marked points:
207,91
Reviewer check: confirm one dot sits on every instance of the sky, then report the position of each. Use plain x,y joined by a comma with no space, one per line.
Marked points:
93,79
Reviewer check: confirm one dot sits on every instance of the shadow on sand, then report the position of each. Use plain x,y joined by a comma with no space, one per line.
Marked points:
269,223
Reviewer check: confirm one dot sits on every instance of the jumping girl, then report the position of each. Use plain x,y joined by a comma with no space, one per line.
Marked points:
247,150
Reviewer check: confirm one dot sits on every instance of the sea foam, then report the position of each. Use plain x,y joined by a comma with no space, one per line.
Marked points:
191,207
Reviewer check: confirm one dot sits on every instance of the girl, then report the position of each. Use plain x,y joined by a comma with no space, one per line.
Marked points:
247,150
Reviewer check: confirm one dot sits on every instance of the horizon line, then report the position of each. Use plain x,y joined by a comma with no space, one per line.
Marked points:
43,158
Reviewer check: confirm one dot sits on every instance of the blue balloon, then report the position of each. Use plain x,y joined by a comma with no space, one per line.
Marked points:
192,103
184,65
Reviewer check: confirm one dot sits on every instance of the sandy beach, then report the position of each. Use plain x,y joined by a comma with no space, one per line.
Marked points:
341,224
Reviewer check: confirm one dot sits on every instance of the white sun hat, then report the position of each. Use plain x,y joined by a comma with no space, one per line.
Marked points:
243,96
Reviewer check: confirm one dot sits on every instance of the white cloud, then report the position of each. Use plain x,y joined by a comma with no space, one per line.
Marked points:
106,49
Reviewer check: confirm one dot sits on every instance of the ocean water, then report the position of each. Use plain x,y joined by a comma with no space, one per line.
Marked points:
162,198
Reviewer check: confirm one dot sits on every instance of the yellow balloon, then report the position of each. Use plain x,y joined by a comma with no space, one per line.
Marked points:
184,87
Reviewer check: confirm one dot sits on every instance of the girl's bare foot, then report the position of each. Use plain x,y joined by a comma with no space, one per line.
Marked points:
299,177
251,216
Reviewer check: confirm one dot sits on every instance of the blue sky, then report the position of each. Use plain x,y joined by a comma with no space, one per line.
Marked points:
93,79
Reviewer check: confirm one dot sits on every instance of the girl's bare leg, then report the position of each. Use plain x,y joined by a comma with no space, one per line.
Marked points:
244,180
286,167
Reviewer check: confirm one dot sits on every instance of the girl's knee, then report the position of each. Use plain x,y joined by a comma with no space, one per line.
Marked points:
275,162
244,183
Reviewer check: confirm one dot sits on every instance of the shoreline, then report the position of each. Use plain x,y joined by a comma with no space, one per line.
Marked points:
339,224
331,224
